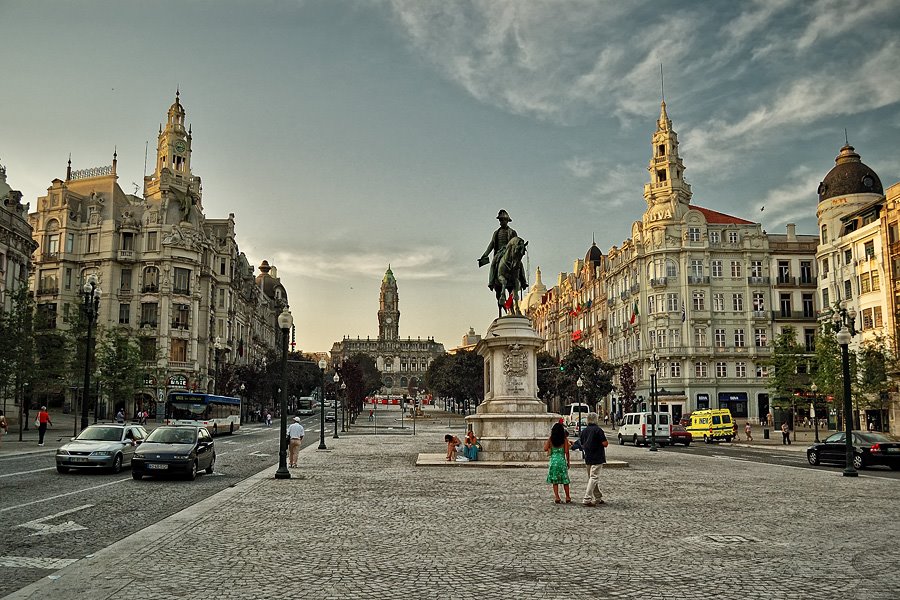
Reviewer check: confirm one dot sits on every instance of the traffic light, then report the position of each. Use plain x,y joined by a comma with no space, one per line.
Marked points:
562,368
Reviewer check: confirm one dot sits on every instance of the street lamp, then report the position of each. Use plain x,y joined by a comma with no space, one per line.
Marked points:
815,413
844,317
218,346
337,380
578,385
343,406
652,370
91,309
243,405
285,321
322,365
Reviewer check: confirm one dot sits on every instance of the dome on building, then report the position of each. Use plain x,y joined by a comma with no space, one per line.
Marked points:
533,297
849,176
593,256
388,276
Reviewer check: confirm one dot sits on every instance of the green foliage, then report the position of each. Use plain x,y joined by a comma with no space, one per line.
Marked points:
548,370
626,382
459,376
787,355
17,347
827,369
118,357
875,360
596,376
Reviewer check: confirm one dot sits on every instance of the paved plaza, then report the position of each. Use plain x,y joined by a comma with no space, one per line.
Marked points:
362,521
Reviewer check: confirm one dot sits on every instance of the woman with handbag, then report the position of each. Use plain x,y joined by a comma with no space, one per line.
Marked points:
43,419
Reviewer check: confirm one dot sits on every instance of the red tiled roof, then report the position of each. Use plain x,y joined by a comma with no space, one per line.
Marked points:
721,218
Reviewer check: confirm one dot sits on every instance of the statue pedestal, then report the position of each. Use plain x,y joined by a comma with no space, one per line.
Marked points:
511,424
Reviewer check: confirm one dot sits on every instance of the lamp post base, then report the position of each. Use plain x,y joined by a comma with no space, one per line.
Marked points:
850,473
285,474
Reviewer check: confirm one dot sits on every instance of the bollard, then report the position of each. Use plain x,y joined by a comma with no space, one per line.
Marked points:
766,433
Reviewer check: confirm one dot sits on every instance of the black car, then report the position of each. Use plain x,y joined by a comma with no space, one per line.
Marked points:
175,450
869,448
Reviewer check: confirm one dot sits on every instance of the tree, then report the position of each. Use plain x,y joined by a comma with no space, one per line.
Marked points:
458,376
547,378
786,380
362,379
17,347
118,357
874,360
626,382
596,376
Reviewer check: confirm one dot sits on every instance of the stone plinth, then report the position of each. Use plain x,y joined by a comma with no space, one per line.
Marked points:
511,423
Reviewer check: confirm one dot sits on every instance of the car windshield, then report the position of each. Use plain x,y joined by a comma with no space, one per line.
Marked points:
165,435
100,434
677,428
873,438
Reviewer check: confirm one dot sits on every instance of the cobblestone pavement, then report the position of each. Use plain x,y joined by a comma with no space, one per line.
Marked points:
361,521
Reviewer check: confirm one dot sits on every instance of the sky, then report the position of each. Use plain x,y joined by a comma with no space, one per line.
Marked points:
347,136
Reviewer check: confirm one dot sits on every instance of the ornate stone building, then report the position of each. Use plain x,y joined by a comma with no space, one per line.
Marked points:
402,362
16,245
167,272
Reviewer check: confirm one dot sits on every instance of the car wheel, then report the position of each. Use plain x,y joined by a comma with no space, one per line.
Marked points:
192,474
686,444
894,467
117,464
858,463
136,476
813,457
212,464
621,440
62,469
706,440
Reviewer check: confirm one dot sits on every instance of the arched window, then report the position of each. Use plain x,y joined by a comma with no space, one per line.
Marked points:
150,281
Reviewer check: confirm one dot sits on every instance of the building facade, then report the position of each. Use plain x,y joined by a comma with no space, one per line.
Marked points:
16,245
167,273
401,362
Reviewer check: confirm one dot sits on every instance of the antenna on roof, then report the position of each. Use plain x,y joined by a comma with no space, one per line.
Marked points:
846,139
146,146
662,83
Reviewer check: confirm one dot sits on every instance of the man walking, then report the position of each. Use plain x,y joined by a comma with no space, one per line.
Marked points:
295,432
593,445
785,434
43,419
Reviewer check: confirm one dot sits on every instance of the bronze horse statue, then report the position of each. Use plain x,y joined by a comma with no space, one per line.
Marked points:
511,279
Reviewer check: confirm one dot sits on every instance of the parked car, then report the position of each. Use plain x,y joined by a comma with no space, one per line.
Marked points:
685,420
329,416
175,449
869,448
637,428
680,435
712,425
101,446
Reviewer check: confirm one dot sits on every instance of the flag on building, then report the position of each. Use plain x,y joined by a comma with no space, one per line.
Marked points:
683,313
634,313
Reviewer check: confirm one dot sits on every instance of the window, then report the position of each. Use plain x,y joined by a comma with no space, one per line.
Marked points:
179,350
715,268
738,338
735,268
760,337
675,367
808,306
182,281
714,237
221,297
876,281
125,280
70,242
869,249
672,302
806,271
222,264
181,313
693,234
699,301
761,371
661,150
784,271
732,237
720,338
124,314
151,280
759,302
68,278
93,242
149,313
661,338
671,269
700,337
848,289
756,268
127,241
809,339
737,302
740,369
697,268
825,264
674,338
825,302
653,338
48,283
721,369
784,301
700,369
876,316
152,238
148,348
719,302
53,244
650,305
864,283
848,256
824,234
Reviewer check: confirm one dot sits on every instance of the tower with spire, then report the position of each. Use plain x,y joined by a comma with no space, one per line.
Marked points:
388,308
667,194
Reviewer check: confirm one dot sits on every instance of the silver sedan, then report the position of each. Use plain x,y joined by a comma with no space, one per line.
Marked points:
101,446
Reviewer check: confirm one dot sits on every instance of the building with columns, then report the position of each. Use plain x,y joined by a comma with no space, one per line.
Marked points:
169,274
402,362
16,245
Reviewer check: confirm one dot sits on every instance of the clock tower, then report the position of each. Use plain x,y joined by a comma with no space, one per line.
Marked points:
388,308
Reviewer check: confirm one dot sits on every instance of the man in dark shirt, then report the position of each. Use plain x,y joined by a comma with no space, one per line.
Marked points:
593,445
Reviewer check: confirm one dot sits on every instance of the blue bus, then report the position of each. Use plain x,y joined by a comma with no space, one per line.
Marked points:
219,414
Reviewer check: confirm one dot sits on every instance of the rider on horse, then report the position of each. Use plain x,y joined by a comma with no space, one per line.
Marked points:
498,243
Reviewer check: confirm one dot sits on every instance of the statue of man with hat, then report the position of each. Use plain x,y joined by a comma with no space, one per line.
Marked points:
498,243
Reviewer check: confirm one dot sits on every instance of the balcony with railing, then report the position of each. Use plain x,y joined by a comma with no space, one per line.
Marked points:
785,281
697,279
612,301
793,315
126,255
758,280
180,364
150,288
658,282
48,290
51,256
149,323
760,314
183,291
180,325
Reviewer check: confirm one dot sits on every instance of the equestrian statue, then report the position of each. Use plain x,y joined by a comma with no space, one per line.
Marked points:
507,276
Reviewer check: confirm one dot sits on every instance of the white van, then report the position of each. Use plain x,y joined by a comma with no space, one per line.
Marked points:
576,414
637,428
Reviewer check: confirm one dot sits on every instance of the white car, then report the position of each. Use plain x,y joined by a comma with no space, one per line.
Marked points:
108,446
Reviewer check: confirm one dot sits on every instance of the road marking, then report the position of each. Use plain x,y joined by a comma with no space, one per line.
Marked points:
96,487
43,528
257,453
26,472
33,562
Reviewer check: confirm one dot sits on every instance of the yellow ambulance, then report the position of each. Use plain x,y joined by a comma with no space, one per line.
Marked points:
711,425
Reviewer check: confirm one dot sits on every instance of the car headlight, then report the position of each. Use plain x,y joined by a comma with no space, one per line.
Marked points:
181,456
63,452
102,453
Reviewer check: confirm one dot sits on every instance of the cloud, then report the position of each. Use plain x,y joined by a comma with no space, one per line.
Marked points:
792,202
581,167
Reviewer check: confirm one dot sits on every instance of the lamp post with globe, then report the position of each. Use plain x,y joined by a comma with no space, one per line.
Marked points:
285,321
